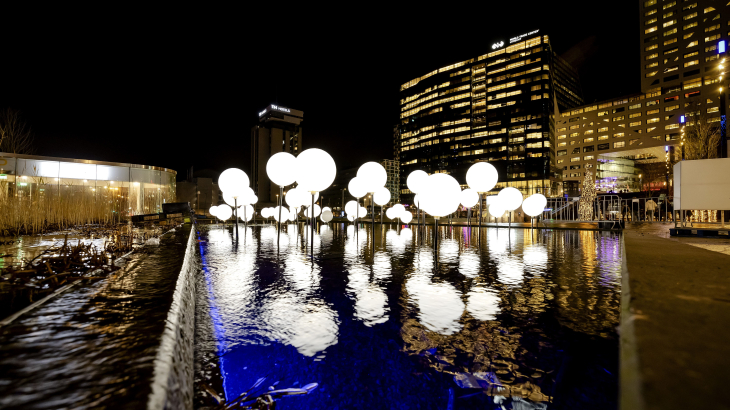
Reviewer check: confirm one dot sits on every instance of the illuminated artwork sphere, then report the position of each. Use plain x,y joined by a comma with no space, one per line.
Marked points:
357,187
317,211
441,195
326,208
246,213
406,217
266,213
362,212
415,181
469,197
213,210
482,177
224,212
398,210
391,213
351,208
534,205
232,181
496,209
284,214
296,197
417,200
315,170
381,196
372,175
510,198
281,168
326,216
350,218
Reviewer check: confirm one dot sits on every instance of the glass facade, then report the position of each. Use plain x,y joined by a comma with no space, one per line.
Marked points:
101,191
498,107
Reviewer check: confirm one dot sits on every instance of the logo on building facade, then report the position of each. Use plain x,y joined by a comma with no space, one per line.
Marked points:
276,107
497,45
521,36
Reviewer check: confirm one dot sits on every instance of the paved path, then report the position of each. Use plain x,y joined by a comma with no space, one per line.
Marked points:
680,308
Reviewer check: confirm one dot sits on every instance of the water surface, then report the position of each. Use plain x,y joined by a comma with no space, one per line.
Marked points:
485,319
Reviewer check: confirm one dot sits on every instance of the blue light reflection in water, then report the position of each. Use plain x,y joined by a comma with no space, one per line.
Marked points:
522,318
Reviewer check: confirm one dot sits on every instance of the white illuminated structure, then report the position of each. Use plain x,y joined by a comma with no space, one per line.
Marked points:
469,198
534,205
481,177
373,177
234,183
315,172
416,183
281,169
381,197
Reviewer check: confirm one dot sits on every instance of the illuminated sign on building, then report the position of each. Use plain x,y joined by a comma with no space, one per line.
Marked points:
497,45
521,36
721,47
274,107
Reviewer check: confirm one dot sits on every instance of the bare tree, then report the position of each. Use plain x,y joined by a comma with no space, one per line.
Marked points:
15,135
701,133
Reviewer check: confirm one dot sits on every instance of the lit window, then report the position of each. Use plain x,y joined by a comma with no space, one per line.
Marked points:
651,65
651,74
690,16
689,6
668,5
619,118
588,158
562,152
688,35
667,15
691,63
651,47
603,129
713,109
650,30
619,144
585,140
603,137
670,32
618,135
671,107
562,144
651,112
671,126
709,9
653,55
650,129
575,159
671,50
712,38
652,120
669,23
635,123
692,54
692,44
650,21
715,27
689,26
634,115
650,12
670,41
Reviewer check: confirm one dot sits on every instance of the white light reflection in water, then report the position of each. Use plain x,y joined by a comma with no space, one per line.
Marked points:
371,303
448,251
483,303
510,267
469,263
439,304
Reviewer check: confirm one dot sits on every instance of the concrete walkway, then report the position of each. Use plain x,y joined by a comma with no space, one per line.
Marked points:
680,310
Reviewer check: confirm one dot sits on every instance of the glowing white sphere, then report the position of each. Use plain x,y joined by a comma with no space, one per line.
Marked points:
351,207
232,181
496,209
398,210
315,170
416,180
510,198
482,177
248,197
246,213
534,205
224,212
372,175
326,208
231,201
406,217
317,211
469,197
292,215
391,213
357,187
441,195
284,213
362,212
382,196
281,168
296,197
213,210
350,218
326,216
266,212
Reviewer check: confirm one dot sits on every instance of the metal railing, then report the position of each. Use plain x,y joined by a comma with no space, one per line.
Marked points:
613,207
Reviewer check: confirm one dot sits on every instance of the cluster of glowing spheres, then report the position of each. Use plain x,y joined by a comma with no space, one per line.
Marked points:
398,211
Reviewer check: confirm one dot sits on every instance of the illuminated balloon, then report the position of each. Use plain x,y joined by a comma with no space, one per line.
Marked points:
372,176
482,177
357,187
416,181
281,168
441,195
382,196
510,198
315,170
469,197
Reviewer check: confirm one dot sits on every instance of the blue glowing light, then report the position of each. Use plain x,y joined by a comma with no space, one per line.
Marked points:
681,119
721,47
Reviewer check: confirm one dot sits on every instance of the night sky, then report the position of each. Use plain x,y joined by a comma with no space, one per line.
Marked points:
181,87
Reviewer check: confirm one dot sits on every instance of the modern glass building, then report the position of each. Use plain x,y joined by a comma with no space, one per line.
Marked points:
98,187
682,46
498,107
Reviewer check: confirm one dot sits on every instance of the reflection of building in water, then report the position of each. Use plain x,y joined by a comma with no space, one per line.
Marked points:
488,311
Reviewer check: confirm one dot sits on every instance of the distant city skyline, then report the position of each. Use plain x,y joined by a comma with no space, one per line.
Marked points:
182,95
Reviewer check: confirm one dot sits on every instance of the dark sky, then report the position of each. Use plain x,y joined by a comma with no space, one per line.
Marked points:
181,87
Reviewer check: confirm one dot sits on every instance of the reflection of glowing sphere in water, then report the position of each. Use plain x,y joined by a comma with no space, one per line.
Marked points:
469,264
483,304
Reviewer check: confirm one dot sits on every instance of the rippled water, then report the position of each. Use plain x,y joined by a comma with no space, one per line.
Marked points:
521,319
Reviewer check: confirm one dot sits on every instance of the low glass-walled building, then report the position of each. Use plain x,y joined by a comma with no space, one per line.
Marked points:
61,188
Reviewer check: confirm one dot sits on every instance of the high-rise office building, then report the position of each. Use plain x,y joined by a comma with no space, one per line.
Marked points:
392,168
498,107
682,44
279,130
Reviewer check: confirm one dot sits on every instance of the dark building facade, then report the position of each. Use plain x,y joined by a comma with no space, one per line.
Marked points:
279,130
498,107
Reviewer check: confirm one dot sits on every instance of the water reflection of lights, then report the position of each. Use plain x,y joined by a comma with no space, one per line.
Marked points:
448,251
536,258
469,264
439,304
483,304
307,324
